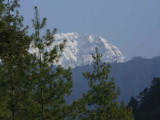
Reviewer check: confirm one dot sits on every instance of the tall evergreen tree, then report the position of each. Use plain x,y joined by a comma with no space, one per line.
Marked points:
14,55
102,97
2,23
51,83
134,104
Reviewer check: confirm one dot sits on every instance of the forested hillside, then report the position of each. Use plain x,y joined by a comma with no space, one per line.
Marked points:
146,105
131,76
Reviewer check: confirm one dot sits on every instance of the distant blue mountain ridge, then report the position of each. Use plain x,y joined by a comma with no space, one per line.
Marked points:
131,77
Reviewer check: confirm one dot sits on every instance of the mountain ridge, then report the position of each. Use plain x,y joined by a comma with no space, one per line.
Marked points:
79,48
131,77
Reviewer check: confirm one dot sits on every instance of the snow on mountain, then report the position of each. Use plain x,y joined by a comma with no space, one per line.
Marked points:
79,48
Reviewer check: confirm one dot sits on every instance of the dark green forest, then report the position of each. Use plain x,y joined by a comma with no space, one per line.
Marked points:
32,87
147,104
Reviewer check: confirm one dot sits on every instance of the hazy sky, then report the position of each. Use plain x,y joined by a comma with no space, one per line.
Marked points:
132,25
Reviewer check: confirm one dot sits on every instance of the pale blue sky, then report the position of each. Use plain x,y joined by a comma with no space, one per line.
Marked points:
132,25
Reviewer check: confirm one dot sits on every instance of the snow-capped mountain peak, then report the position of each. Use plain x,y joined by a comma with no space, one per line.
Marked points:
79,48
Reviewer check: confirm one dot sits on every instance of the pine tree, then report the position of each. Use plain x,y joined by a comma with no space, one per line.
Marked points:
149,105
103,94
51,83
14,55
124,113
2,23
134,104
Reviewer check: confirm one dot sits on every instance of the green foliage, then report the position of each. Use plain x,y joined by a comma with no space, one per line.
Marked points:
51,84
124,113
148,104
11,14
31,86
133,103
14,66
2,23
102,97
